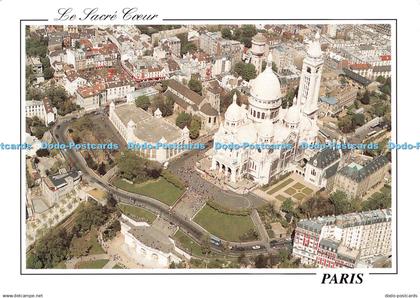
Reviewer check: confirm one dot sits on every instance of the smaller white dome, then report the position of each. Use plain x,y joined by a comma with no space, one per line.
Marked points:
267,128
234,112
292,115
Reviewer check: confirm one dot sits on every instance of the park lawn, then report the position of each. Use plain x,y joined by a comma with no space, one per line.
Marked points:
61,265
188,244
299,196
307,191
290,191
118,266
137,213
96,264
281,198
280,186
159,189
298,185
191,247
226,226
86,245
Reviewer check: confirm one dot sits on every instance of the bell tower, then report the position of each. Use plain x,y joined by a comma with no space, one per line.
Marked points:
310,78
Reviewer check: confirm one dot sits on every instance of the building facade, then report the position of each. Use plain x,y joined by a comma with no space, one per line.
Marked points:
149,245
356,180
41,109
56,187
343,240
137,126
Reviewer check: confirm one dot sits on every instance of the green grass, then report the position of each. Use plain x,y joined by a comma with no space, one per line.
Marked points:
118,266
61,265
290,191
137,213
188,244
191,247
299,196
280,186
226,226
160,189
281,198
97,264
298,185
307,191
87,244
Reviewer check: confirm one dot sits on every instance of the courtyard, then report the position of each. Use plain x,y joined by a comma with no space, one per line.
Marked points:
293,186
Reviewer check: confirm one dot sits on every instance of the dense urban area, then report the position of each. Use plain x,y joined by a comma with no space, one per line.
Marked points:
200,200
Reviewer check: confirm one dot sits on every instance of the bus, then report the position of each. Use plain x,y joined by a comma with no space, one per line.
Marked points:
215,241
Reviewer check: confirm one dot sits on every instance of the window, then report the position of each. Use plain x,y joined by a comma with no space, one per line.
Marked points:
308,70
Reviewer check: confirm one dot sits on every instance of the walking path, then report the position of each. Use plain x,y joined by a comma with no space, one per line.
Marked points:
71,264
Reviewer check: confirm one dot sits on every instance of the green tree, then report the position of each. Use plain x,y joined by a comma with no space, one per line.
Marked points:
283,255
194,127
36,47
287,205
48,73
164,103
183,119
195,85
50,249
358,119
143,102
261,261
245,70
379,200
226,33
341,203
365,98
386,89
345,124
381,79
248,30
264,65
379,109
137,169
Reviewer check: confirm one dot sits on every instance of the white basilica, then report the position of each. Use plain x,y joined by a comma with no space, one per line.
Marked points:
265,122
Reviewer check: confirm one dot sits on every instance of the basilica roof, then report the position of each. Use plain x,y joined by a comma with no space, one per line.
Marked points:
266,85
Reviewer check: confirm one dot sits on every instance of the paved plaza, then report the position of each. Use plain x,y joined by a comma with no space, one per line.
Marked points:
201,190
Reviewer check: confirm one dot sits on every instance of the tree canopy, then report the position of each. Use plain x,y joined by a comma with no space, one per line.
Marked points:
195,85
143,102
245,70
137,169
183,119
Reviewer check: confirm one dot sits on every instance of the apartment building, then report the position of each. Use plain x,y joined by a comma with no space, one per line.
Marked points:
343,241
355,180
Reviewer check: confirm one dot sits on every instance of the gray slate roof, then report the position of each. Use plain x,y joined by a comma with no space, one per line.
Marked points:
371,167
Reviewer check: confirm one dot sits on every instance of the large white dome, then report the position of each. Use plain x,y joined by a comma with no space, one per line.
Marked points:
266,85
